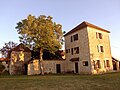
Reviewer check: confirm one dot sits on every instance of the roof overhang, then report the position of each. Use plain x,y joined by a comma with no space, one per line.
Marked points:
83,25
74,59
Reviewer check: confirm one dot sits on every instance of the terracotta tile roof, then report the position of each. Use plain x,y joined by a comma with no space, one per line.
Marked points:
4,59
21,47
83,25
113,58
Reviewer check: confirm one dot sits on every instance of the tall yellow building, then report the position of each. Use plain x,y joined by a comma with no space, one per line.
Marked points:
88,50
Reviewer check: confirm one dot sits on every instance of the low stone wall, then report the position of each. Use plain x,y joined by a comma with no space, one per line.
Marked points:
50,66
33,67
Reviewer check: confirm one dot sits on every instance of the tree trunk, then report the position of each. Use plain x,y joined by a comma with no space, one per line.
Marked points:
41,62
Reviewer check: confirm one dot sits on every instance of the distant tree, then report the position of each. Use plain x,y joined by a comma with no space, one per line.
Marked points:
42,33
6,48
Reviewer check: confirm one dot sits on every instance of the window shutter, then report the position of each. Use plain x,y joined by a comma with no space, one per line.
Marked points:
96,35
98,48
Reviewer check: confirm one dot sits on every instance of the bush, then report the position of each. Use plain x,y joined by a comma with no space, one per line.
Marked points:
2,67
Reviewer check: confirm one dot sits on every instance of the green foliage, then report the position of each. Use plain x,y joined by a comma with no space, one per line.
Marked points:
47,55
40,32
6,48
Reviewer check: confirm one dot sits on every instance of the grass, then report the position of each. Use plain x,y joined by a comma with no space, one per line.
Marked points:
109,81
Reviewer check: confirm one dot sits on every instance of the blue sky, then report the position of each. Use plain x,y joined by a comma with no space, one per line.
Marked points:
69,13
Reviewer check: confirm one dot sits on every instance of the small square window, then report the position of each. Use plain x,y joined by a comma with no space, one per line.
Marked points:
69,50
85,63
66,50
76,50
100,48
98,64
98,35
94,64
75,37
72,51
108,63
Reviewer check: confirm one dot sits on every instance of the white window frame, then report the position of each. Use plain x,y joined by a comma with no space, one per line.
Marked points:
98,36
99,48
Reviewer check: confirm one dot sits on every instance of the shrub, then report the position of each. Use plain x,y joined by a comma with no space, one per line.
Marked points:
2,67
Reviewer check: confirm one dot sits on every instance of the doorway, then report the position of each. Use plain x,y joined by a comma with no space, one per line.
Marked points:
76,67
58,68
114,65
26,69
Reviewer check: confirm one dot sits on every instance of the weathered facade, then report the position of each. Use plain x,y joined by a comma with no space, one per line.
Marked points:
22,63
50,66
88,50
20,55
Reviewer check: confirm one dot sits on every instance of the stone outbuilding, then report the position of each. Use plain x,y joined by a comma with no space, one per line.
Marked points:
116,64
21,62
20,55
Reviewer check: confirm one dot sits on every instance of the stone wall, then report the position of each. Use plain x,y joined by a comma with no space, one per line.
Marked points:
6,64
102,56
88,51
83,55
17,61
49,66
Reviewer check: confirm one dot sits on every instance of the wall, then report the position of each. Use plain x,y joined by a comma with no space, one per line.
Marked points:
88,51
17,61
95,55
83,55
6,64
49,66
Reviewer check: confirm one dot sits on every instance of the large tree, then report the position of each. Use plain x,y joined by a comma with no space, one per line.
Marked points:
40,32
5,50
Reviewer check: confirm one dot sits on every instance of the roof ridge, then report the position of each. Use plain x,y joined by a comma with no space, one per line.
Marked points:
83,25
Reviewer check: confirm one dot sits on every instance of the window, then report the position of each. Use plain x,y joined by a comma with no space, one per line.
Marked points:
72,51
100,48
94,64
98,64
67,50
85,63
75,37
76,50
98,35
107,62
